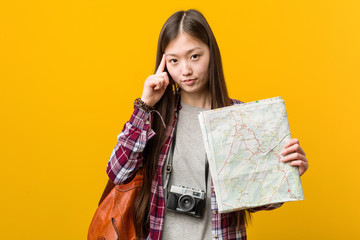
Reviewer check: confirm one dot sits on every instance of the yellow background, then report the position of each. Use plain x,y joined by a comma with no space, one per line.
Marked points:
70,70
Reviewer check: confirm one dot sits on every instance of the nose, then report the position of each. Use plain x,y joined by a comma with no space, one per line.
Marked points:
186,69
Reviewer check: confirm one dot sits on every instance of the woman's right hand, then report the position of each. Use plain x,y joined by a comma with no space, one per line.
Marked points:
155,85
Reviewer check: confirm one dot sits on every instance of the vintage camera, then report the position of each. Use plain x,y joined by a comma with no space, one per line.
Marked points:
186,200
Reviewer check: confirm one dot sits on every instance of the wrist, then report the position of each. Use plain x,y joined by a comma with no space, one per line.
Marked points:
143,105
147,101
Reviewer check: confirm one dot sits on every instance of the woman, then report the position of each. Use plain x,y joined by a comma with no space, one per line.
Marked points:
189,79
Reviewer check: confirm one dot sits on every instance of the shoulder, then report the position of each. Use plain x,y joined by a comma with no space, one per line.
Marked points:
235,101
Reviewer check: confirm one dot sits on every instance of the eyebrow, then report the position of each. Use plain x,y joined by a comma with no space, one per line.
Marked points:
187,52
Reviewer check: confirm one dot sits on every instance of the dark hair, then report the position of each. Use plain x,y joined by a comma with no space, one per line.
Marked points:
193,23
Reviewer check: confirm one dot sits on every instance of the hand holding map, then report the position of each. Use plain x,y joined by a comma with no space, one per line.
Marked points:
295,155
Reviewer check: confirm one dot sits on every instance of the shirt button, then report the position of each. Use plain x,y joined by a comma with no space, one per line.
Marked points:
147,122
216,237
213,191
214,212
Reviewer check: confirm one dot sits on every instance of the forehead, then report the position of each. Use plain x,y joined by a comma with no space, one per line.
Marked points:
184,43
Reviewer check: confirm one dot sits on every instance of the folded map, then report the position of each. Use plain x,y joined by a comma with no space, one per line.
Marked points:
243,144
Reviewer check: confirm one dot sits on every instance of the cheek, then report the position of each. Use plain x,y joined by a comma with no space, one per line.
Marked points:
203,69
173,74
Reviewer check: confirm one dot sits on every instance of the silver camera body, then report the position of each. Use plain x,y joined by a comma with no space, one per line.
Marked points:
186,200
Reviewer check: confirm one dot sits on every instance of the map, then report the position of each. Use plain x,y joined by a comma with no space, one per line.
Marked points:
243,144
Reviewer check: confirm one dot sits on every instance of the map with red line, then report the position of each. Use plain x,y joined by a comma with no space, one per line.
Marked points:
243,144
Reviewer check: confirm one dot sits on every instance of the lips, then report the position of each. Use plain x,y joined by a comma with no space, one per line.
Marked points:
189,80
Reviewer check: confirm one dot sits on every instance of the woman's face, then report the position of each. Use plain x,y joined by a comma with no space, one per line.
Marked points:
187,61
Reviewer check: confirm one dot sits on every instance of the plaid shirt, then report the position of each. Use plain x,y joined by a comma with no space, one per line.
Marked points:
126,159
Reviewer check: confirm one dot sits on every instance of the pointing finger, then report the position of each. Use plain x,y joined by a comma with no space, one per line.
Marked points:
161,67
166,78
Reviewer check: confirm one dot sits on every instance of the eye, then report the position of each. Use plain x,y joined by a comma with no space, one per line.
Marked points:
195,56
173,60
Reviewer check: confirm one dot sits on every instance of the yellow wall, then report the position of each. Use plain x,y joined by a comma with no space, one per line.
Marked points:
70,70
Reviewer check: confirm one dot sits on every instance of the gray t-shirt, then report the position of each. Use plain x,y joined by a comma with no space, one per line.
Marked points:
188,170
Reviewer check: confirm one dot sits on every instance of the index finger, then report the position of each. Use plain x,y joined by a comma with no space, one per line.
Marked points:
161,67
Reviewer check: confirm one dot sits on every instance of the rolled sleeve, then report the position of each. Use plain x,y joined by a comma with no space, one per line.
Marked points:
128,152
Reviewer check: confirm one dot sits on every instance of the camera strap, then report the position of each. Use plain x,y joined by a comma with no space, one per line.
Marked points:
169,166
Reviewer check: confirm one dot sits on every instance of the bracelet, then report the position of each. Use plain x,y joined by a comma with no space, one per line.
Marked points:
142,105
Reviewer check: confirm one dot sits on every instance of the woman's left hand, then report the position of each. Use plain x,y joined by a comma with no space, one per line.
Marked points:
294,154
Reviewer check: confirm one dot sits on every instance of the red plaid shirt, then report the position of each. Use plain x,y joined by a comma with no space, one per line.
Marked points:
126,159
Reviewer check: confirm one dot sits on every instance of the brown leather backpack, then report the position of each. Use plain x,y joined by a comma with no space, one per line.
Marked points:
113,219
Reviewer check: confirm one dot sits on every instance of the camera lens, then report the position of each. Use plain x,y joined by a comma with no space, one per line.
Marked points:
186,203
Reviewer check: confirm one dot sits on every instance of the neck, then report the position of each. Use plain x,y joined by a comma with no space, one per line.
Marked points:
197,100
